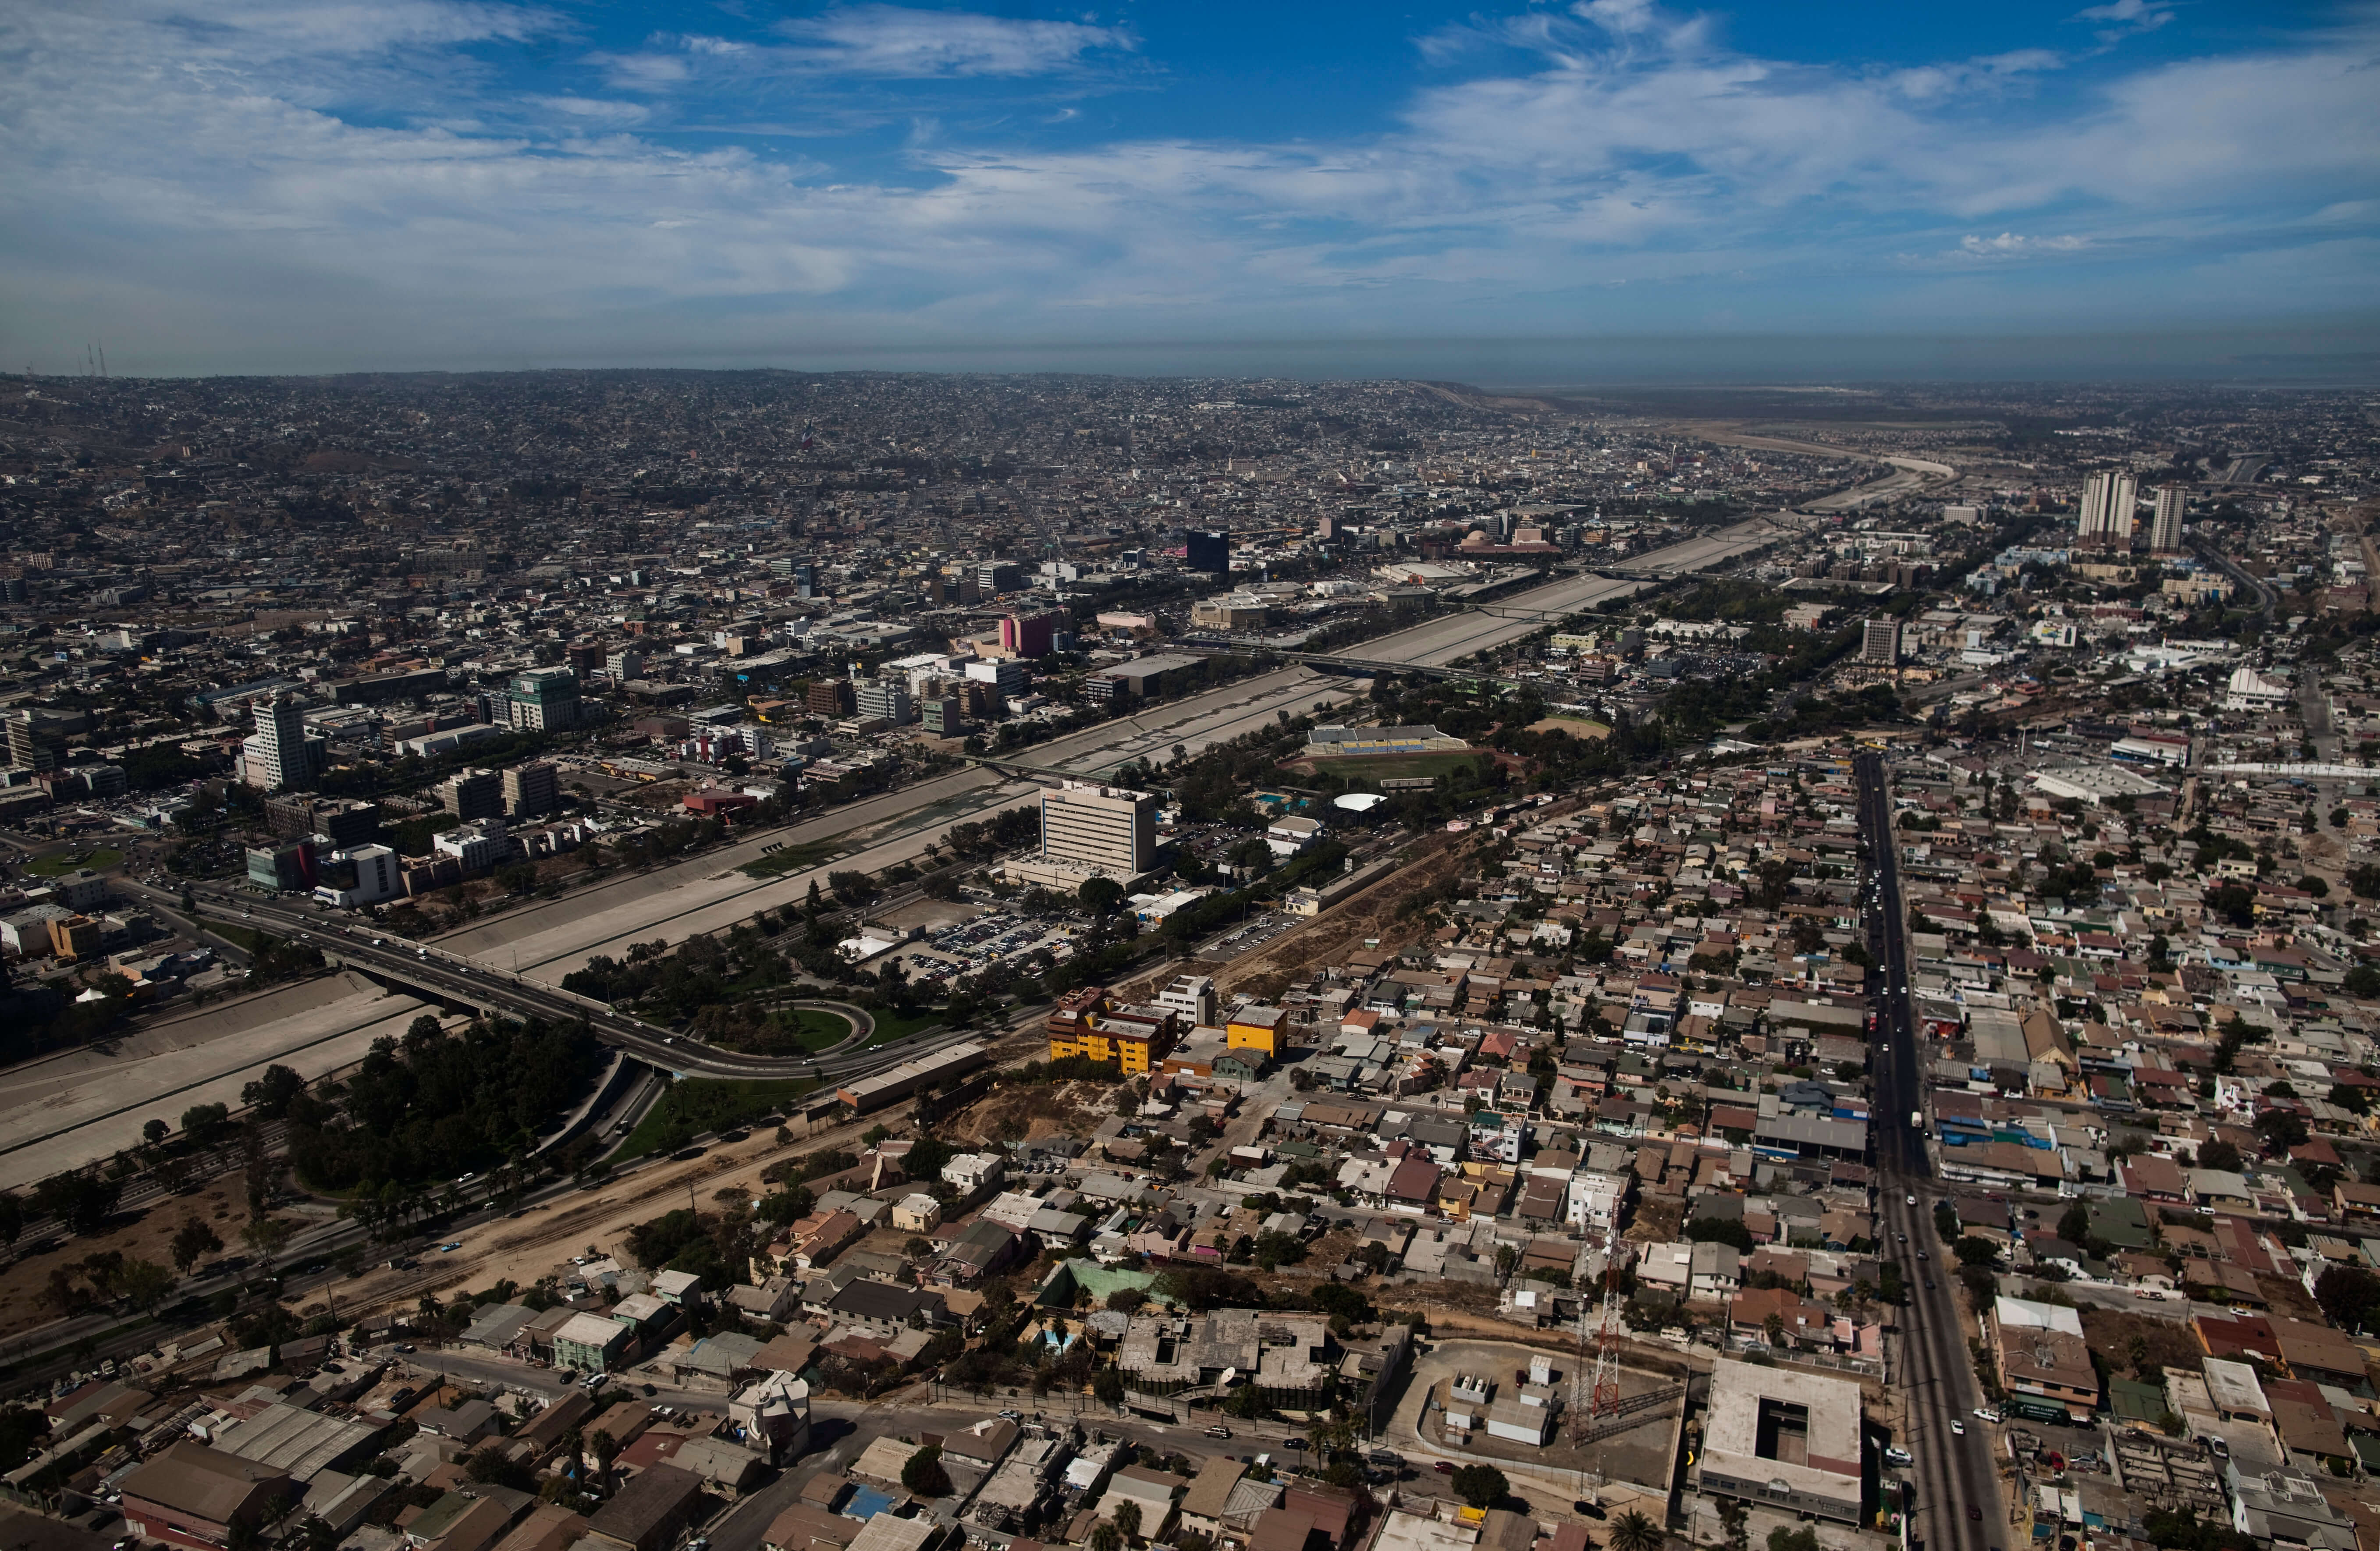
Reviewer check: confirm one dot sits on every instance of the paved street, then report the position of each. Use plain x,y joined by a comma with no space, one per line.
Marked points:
1957,1486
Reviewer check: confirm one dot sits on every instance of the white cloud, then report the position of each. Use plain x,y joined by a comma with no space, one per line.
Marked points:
2009,245
894,42
2137,15
211,184
596,109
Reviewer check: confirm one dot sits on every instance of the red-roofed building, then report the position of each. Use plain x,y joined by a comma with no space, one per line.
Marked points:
2238,1335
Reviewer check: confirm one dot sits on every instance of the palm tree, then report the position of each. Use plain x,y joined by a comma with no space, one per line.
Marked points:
1128,1519
1105,1536
1634,1532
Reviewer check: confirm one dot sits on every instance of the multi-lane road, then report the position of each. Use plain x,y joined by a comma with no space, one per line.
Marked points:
435,970
1958,1501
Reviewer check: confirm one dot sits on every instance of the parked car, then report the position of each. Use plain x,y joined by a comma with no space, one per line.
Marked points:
1443,1467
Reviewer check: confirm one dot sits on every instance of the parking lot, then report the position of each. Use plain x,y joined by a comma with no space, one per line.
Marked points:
971,947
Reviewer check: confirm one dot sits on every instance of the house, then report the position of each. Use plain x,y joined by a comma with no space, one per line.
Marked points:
591,1343
1156,1491
970,1173
459,1521
648,1513
883,1308
194,1495
1798,1321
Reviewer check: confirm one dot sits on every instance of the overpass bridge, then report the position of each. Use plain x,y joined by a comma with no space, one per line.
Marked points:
448,978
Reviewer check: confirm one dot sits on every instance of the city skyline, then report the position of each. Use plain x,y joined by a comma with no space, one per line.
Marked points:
1613,191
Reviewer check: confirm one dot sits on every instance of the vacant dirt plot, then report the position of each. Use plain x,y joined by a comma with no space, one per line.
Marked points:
1575,726
2163,1343
146,1235
1018,1113
1658,1220
1347,926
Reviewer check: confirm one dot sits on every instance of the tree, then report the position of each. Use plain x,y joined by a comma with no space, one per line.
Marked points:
924,1473
1128,1519
1100,895
1105,1536
143,1283
83,1202
2282,1129
267,1235
1783,1538
192,1242
1106,1387
1634,1532
1480,1486
154,1132
2221,1155
205,1124
271,1094
2074,1226
2349,1294
12,1216
1973,1251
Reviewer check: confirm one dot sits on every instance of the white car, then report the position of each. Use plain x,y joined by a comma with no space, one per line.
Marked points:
1985,1413
1959,1427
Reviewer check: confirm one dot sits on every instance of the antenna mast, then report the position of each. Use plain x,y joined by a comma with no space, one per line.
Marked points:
1605,1398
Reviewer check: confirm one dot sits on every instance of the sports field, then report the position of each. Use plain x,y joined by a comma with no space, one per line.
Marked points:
1392,767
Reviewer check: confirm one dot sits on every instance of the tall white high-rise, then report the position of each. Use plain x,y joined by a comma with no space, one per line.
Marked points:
2165,529
1103,828
277,755
2108,497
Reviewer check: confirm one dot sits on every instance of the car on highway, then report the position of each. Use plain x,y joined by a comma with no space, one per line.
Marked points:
1974,1513
1923,1255
1909,1201
1219,1432
1958,1428
1929,1284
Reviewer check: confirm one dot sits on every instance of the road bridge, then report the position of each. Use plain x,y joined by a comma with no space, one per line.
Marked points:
451,977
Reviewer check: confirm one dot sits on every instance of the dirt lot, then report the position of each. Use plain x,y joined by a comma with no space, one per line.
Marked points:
2164,1343
1023,1114
147,1235
1347,926
1658,1220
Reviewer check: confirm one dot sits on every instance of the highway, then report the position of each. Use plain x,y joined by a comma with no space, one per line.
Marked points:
1958,1501
452,975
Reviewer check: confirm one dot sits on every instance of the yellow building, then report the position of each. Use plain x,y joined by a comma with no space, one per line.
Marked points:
1255,1028
1129,1050
1131,1038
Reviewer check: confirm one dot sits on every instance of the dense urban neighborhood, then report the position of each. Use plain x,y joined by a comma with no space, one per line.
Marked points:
705,962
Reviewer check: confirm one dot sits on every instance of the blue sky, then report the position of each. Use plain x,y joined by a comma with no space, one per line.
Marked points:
1527,192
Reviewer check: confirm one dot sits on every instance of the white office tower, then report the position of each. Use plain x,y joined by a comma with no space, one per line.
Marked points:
1101,829
2165,529
276,755
2108,497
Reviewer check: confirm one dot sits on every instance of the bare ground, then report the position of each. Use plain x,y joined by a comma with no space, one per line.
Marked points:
146,1235
1347,926
1029,1114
